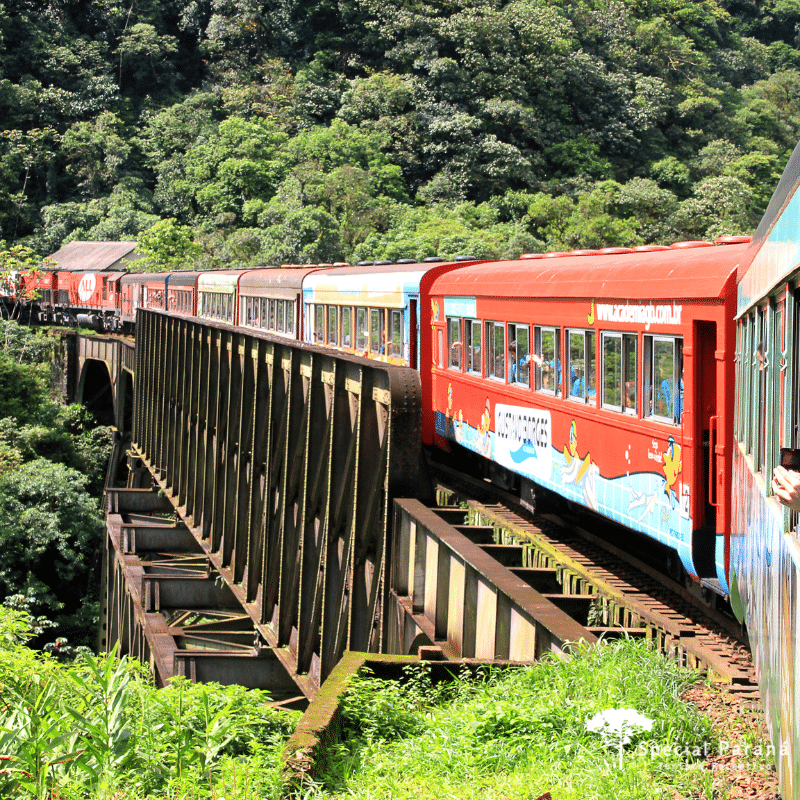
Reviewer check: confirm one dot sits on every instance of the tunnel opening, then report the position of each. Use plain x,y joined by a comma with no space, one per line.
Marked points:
96,393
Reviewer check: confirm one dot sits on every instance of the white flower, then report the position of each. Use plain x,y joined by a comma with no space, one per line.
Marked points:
617,726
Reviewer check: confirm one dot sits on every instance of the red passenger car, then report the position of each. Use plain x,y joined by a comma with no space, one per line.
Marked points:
604,378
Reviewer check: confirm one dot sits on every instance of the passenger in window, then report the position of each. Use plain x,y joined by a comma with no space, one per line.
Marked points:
786,487
576,389
548,368
517,372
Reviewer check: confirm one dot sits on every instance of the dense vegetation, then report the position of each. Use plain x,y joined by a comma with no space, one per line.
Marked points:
526,732
310,130
97,728
52,471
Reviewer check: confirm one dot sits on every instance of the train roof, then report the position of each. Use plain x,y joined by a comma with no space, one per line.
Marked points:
776,244
183,278
384,284
694,273
225,282
99,256
262,282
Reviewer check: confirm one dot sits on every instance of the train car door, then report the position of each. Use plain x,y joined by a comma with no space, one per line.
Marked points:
706,430
413,328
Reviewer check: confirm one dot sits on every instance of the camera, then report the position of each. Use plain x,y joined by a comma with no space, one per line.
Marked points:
790,458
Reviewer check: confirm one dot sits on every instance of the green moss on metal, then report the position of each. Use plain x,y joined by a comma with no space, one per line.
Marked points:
321,725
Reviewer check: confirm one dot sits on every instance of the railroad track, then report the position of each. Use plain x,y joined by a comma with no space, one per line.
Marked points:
627,595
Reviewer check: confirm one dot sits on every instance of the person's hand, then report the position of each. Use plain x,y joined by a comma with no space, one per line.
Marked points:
786,487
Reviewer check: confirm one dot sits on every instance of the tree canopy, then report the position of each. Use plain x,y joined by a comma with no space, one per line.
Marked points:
315,130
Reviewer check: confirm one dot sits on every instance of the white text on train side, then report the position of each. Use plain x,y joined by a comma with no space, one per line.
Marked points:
640,314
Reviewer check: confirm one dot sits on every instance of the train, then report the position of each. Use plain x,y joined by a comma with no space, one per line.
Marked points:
603,377
654,386
765,551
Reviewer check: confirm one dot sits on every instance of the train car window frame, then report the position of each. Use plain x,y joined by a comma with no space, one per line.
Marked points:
279,316
362,332
582,370
346,326
290,318
396,333
495,350
377,335
333,325
547,349
473,336
618,386
776,411
519,354
454,344
659,388
762,357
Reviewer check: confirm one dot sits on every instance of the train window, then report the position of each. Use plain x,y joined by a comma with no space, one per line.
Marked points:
472,336
290,326
361,329
454,346
519,354
581,366
440,345
319,323
346,323
279,315
778,410
619,372
630,374
105,288
763,357
663,378
376,336
333,325
396,333
547,357
495,350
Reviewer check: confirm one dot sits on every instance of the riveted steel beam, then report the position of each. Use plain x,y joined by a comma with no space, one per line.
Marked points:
281,460
470,598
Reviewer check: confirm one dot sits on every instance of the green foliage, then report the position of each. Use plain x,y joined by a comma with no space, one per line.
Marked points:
521,732
97,728
49,529
52,465
166,245
118,117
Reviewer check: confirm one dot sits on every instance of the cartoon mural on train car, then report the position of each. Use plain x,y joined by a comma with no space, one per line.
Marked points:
649,496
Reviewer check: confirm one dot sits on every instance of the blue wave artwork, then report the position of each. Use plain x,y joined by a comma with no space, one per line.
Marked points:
525,452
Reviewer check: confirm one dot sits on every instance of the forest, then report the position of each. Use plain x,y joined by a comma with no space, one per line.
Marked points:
231,133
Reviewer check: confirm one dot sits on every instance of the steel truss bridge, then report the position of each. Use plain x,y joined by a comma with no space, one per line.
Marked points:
268,510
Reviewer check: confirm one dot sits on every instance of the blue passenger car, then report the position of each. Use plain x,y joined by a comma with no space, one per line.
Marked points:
765,552
373,311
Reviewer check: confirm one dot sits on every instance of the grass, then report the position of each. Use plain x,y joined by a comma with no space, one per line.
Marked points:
520,733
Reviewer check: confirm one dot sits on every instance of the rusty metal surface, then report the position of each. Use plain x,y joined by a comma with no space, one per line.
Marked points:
282,459
465,597
621,603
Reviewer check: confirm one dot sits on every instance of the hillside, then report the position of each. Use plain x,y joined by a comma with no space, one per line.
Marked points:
306,130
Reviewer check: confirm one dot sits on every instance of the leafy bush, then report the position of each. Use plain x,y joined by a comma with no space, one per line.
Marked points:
97,728
521,732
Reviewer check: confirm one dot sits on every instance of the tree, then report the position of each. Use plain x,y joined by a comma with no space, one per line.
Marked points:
49,528
15,262
167,245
